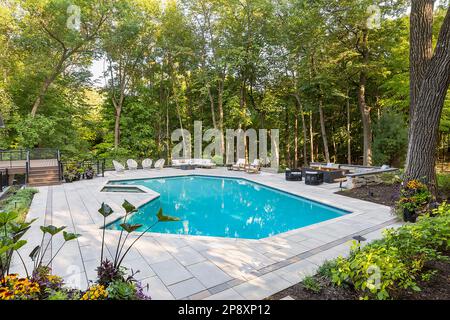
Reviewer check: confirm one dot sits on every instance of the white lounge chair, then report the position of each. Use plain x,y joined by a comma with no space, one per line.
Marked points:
254,167
147,164
239,165
159,164
132,164
118,166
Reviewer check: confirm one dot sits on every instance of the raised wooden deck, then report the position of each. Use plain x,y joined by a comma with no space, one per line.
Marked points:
41,172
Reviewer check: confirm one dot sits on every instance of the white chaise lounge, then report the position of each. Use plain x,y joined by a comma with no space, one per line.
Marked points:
254,167
239,165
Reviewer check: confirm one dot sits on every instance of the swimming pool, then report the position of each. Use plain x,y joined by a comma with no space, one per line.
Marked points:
225,207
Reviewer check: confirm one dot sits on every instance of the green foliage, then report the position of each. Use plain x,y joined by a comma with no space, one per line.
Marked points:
18,202
121,290
390,139
414,197
311,284
397,261
443,182
326,268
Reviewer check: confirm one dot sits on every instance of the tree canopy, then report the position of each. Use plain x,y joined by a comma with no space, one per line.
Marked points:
333,76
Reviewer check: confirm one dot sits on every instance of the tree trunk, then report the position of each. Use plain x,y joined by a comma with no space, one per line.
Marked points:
220,108
48,81
311,136
211,102
305,138
421,46
363,107
424,125
349,139
117,127
323,130
287,138
296,140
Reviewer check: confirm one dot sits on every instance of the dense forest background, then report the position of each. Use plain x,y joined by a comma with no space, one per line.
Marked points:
332,75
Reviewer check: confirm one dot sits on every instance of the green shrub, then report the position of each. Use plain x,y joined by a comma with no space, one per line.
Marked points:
19,202
325,270
443,182
311,284
121,290
396,261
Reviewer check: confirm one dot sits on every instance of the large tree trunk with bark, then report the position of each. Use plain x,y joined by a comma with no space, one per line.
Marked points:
421,46
424,124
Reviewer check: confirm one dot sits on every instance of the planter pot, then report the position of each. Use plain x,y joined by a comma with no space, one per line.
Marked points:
89,175
409,216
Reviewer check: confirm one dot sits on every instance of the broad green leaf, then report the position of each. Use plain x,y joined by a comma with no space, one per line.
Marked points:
52,230
163,218
70,236
6,217
4,249
128,207
19,244
105,210
130,227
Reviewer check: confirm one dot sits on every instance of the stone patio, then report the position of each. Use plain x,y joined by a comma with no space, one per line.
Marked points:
199,267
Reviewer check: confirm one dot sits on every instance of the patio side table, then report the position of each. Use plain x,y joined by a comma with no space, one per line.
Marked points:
313,178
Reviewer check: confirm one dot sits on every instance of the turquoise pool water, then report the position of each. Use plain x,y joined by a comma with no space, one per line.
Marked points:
226,207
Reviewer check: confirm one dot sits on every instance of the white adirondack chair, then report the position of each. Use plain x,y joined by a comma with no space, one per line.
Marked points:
132,164
118,166
147,164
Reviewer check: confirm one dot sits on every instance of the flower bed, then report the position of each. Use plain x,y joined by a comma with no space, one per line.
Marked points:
40,284
398,265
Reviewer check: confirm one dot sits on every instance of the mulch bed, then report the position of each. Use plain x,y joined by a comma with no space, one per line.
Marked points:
437,288
386,194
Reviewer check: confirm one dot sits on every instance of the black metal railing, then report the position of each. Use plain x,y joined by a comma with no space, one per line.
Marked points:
43,153
4,179
13,158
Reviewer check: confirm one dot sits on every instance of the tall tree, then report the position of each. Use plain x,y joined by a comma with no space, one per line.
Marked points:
429,101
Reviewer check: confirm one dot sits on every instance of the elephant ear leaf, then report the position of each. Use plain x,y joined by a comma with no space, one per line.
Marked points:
128,207
70,236
4,249
6,217
19,244
33,255
52,230
105,210
163,218
130,227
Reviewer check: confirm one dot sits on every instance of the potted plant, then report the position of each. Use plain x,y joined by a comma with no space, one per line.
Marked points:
71,174
414,197
89,173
